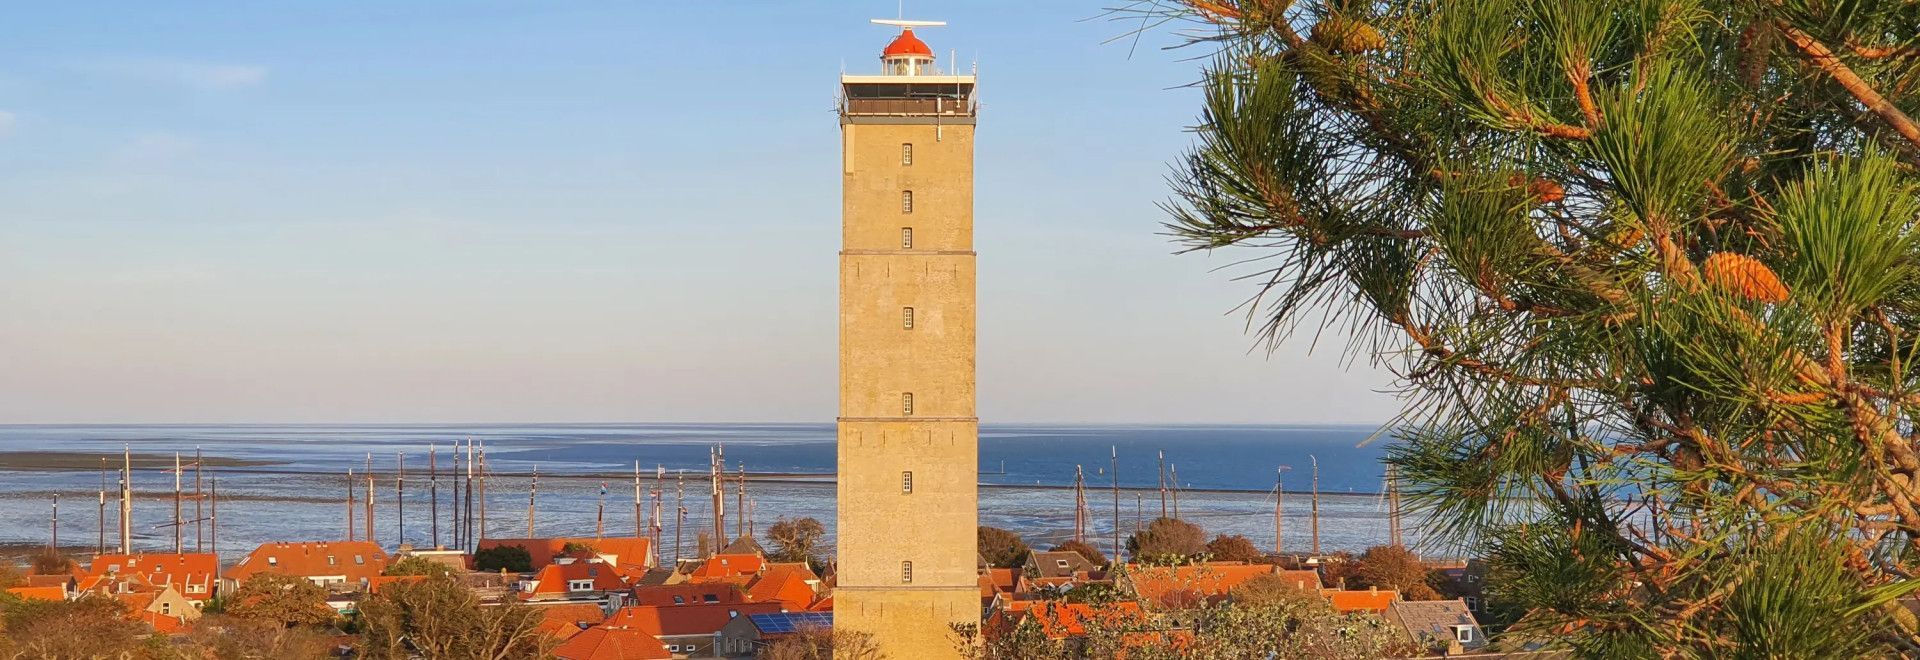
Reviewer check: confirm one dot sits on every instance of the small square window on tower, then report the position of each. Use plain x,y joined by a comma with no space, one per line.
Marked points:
906,403
906,201
906,572
906,153
906,483
906,238
906,318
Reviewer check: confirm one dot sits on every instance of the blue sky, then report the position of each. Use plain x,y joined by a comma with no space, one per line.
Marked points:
579,211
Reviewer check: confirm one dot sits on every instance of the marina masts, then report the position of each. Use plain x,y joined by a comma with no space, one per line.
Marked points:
1316,504
126,500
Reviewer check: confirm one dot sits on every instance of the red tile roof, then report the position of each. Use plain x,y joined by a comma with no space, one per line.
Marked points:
689,620
611,643
378,582
1182,586
1371,600
191,573
1059,619
687,593
726,566
39,593
789,584
162,623
822,605
565,621
996,581
1308,579
354,560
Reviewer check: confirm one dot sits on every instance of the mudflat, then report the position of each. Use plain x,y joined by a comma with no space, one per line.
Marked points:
42,461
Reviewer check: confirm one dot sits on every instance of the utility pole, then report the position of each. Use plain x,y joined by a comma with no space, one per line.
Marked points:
213,527
126,500
1316,504
639,521
433,493
1162,471
531,493
1113,468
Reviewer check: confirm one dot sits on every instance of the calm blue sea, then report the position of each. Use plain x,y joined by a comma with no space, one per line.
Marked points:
1227,473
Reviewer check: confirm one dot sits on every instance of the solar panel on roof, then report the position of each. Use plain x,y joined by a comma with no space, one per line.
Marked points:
781,623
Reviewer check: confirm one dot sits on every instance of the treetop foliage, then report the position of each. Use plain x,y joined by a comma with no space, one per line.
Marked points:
1646,270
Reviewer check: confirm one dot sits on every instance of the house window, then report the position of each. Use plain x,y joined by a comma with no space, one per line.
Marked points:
579,585
679,600
906,483
733,614
906,404
906,318
673,647
357,559
906,238
906,201
1464,634
1473,604
330,560
1063,563
710,598
273,561
906,153
906,572
166,608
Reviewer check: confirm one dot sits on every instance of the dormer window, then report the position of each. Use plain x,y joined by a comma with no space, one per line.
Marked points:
1464,634
1063,563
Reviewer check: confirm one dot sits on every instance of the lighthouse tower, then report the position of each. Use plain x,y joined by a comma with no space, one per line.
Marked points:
908,437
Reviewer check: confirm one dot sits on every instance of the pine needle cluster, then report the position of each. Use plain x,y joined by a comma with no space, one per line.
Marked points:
1647,271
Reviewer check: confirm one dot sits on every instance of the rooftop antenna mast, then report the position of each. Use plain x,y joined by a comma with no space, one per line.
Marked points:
1079,505
350,504
199,514
1162,469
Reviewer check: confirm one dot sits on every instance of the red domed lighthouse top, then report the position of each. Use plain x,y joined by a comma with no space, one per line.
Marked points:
907,45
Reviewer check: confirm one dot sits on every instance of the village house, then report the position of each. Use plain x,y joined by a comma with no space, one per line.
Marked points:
336,565
1443,623
1060,564
164,608
688,593
687,631
745,636
194,574
576,580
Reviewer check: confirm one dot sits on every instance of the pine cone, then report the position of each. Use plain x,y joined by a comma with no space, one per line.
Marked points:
1744,276
1347,36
